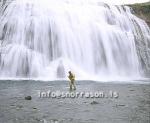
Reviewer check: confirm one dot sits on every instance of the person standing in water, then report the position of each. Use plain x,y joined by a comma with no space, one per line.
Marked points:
72,80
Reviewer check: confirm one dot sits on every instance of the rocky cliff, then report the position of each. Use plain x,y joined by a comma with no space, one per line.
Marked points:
142,10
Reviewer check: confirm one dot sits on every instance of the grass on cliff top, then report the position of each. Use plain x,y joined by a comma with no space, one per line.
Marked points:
142,10
142,7
139,4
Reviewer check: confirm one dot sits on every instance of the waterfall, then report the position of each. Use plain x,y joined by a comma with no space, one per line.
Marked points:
47,38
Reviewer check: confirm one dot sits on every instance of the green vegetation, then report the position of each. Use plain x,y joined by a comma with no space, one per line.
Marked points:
142,10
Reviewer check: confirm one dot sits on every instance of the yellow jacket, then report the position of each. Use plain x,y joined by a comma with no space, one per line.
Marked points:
71,77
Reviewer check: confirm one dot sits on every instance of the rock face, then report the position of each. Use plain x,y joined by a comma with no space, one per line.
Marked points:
142,10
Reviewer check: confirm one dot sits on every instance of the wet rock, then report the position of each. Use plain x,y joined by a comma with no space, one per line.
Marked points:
20,106
132,90
120,105
94,102
28,98
85,102
12,105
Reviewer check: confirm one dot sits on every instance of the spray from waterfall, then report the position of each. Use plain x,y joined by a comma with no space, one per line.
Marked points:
47,38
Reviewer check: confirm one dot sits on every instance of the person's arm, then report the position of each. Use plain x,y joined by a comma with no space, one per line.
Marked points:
69,77
74,76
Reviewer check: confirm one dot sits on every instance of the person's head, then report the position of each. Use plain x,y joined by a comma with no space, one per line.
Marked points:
69,72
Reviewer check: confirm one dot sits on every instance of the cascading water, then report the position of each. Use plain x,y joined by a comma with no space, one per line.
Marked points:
46,38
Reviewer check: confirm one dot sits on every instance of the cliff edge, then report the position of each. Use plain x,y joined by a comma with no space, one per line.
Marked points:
142,10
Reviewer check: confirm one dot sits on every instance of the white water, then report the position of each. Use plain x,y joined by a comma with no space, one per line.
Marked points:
47,38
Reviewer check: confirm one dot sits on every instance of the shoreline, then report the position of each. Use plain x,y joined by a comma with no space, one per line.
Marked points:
125,81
